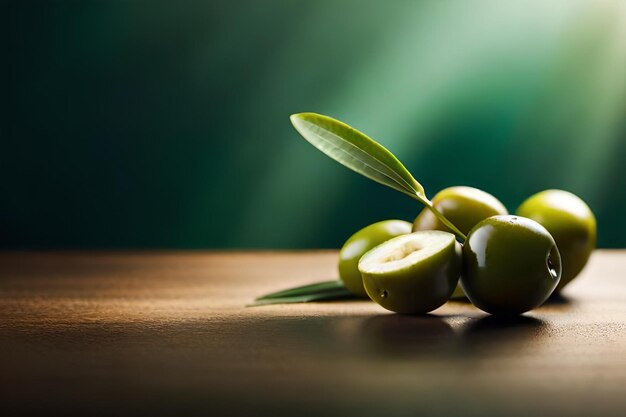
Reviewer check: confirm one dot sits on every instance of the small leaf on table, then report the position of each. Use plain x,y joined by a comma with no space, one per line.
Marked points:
327,290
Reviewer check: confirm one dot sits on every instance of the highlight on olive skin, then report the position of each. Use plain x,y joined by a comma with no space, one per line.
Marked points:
572,224
511,265
414,273
361,242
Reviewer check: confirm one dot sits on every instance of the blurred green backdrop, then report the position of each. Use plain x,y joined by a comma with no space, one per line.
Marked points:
165,124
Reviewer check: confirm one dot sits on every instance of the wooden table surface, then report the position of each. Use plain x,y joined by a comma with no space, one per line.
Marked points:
168,333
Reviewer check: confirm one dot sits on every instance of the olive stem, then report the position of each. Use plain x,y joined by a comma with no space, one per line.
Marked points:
447,222
425,201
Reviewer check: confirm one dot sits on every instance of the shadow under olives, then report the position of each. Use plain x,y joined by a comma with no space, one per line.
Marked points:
497,333
395,335
558,299
460,300
398,337
494,324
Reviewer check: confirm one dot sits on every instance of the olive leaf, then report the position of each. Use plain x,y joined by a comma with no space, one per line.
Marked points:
356,151
364,155
327,290
305,289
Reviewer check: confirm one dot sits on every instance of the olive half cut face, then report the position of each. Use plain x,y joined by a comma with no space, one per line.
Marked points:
412,274
361,242
511,264
570,222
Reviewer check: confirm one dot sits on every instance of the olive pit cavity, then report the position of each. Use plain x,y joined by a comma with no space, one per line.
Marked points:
402,252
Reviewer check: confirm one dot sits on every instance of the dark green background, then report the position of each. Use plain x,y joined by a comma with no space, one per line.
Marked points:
165,124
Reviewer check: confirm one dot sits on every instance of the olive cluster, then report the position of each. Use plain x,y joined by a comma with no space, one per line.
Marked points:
508,264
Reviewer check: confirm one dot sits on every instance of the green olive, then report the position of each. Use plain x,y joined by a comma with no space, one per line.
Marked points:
511,264
414,273
464,207
572,224
361,242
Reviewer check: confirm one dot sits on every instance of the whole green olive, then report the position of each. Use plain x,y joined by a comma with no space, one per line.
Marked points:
414,273
361,242
511,264
572,224
464,207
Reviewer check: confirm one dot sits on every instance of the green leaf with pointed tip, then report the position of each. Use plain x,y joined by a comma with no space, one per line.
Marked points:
338,293
357,151
305,290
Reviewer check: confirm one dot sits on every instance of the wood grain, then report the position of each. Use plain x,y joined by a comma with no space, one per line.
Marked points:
168,333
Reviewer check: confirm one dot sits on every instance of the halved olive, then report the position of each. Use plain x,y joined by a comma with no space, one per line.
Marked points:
414,273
